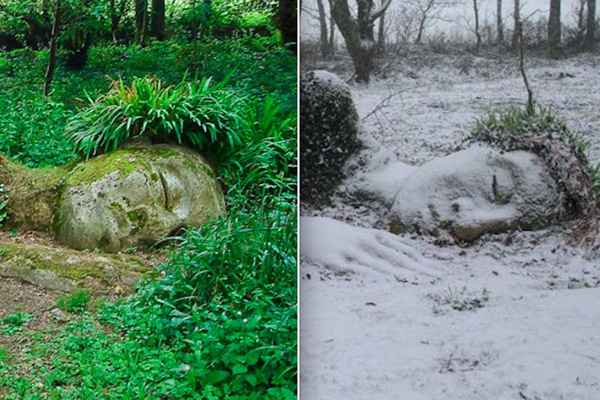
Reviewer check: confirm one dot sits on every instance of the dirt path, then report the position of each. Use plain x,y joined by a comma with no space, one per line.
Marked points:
21,296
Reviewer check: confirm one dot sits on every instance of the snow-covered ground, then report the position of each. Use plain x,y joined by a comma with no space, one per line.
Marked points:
514,316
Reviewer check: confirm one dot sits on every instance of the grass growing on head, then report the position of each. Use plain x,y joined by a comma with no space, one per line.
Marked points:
200,113
562,150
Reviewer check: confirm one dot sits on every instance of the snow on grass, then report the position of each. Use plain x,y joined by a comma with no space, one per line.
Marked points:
514,316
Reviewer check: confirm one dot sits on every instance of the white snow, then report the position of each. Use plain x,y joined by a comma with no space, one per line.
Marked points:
476,188
330,78
514,316
348,249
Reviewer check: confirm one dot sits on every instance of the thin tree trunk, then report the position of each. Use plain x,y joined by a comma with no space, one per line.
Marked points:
331,29
53,44
381,35
477,33
499,23
324,42
590,32
115,16
517,25
529,108
141,15
554,29
157,25
421,28
144,25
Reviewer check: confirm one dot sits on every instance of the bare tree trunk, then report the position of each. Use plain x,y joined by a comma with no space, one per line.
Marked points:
529,108
144,25
331,29
381,34
554,29
358,33
157,24
424,17
323,41
421,28
499,24
477,33
53,43
517,25
590,32
580,17
114,21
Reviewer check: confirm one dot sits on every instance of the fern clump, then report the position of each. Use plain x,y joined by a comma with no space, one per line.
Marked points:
266,162
198,113
562,150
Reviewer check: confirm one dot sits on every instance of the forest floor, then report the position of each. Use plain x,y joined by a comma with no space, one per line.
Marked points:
512,316
25,298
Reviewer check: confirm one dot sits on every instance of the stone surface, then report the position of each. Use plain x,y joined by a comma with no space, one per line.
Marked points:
476,191
66,269
136,196
328,134
32,195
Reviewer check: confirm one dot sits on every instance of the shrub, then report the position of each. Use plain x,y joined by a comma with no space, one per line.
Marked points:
562,150
32,131
229,296
74,302
328,134
198,113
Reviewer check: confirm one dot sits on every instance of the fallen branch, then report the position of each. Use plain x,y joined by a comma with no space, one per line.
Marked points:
384,103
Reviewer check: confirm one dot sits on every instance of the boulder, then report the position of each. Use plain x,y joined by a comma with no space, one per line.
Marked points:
136,196
67,270
476,191
328,134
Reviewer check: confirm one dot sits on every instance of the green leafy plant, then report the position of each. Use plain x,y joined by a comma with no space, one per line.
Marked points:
266,163
4,214
199,113
15,323
32,132
75,302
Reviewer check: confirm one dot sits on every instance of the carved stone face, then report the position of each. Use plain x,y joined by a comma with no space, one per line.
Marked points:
476,191
137,196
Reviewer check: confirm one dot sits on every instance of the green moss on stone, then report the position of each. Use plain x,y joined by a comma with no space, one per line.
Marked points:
137,218
125,161
70,264
117,207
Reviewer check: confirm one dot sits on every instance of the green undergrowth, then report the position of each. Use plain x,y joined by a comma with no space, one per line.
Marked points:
221,321
32,128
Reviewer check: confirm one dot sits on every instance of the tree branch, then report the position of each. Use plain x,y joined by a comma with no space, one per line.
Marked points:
379,12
